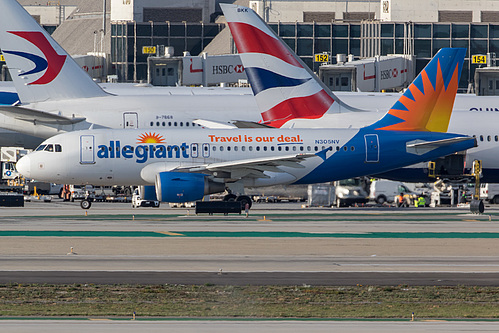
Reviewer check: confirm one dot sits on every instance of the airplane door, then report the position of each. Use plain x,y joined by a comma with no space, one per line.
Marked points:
372,148
87,149
194,150
130,120
206,150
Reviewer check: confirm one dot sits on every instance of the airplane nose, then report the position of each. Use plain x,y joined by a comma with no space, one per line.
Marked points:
24,166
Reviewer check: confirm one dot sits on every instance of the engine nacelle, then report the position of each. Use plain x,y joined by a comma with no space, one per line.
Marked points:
184,187
148,193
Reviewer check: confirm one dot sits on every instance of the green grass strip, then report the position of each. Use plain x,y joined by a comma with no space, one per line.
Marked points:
176,302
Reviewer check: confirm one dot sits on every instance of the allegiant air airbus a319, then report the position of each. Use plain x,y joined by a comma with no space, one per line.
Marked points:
184,165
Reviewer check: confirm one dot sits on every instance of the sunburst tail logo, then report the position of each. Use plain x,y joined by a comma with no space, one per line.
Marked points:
427,104
150,138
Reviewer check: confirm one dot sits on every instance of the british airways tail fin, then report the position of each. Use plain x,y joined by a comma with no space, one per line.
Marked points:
284,87
40,68
427,103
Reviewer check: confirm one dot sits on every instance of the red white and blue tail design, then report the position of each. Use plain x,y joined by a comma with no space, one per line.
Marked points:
284,87
40,68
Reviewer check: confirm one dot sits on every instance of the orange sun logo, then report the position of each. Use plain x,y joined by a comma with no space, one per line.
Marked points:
150,138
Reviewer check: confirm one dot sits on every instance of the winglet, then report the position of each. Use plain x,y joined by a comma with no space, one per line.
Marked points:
40,68
284,87
427,104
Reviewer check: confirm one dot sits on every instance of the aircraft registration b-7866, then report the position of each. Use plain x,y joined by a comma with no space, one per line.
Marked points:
184,165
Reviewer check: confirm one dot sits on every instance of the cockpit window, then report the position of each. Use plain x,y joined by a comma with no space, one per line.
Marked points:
40,147
49,148
58,148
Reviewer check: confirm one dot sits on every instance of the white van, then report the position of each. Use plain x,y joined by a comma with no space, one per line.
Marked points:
490,192
385,190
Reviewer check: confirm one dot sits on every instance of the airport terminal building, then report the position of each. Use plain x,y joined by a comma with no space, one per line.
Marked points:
133,29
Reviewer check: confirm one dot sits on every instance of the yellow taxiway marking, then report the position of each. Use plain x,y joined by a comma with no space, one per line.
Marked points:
471,220
169,233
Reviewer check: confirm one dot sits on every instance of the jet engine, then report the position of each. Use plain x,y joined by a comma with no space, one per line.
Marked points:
184,187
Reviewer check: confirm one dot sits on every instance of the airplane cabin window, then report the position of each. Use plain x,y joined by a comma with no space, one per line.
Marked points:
40,147
187,124
301,148
294,148
488,138
496,138
250,148
257,148
163,124
175,124
221,148
181,124
265,148
243,148
157,123
345,148
337,148
352,148
316,148
228,148
481,137
309,148
235,148
170,123
287,148
279,148
214,148
152,123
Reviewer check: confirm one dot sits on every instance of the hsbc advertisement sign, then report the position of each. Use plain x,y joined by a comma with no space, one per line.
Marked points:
386,72
213,69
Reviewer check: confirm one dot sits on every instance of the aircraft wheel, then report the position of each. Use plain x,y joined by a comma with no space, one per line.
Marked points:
230,197
85,204
244,199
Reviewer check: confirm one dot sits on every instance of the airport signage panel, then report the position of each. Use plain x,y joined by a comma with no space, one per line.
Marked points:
321,57
479,59
149,50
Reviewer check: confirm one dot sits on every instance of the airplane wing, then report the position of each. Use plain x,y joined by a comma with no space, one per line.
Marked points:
232,170
35,116
420,147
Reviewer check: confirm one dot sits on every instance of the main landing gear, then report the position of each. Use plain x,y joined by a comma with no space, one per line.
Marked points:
244,199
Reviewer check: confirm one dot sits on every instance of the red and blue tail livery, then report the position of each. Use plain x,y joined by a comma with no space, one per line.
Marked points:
40,68
284,87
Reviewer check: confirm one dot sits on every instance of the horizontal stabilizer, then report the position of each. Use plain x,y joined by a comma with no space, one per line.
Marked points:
232,125
420,147
35,116
250,124
213,124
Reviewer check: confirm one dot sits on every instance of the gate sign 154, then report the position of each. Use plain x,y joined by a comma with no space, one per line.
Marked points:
479,59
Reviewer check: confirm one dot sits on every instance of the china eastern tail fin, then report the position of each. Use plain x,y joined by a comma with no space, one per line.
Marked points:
284,87
427,104
40,68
